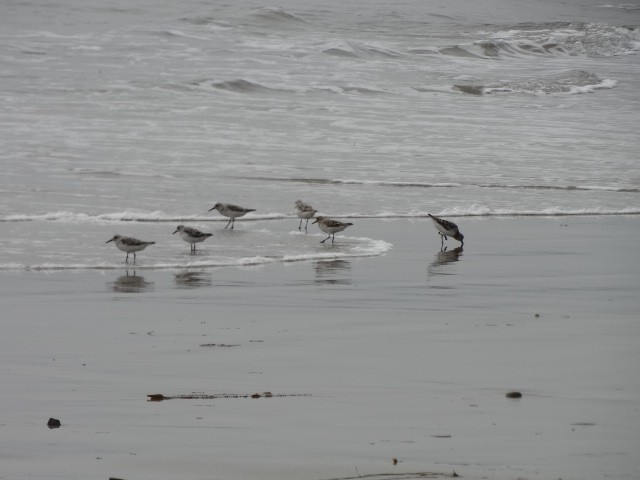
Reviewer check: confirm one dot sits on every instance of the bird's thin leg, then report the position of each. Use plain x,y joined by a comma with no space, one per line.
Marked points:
134,257
306,225
333,238
228,223
233,222
326,239
126,260
300,226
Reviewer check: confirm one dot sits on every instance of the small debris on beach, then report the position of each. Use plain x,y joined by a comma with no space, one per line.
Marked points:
395,461
158,397
54,423
513,395
219,345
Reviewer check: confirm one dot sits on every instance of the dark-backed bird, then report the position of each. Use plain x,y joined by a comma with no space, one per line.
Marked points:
129,245
331,226
191,235
447,229
231,211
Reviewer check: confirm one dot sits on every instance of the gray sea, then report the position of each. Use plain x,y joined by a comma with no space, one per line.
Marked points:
133,116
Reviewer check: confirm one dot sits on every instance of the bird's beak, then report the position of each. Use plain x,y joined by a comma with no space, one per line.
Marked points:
211,209
109,241
174,232
312,223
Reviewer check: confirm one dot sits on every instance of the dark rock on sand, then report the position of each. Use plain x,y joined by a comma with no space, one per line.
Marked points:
514,395
53,423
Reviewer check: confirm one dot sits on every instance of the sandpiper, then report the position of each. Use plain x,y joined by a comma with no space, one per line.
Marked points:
231,211
304,211
191,235
129,245
447,229
330,226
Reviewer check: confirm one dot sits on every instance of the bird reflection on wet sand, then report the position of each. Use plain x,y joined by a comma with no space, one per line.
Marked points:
442,258
131,283
333,272
192,279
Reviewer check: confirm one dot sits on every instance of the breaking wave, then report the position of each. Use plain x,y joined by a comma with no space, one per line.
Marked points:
569,82
558,39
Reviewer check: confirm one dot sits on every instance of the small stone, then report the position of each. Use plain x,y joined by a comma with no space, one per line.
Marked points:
513,395
155,397
256,395
395,461
53,423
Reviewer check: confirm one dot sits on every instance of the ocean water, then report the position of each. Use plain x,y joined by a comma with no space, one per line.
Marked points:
131,117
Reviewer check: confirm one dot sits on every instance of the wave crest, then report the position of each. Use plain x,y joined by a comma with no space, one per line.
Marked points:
569,82
556,39
358,50
276,14
240,85
406,184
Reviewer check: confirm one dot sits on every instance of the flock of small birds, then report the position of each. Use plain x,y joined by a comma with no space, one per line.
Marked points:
304,211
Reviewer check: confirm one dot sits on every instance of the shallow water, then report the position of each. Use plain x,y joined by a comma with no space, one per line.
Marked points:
407,355
134,118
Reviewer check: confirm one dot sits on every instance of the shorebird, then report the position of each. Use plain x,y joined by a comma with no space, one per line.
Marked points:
191,235
231,211
447,229
129,245
330,226
304,211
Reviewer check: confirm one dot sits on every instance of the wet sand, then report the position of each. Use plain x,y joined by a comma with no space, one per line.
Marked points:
406,356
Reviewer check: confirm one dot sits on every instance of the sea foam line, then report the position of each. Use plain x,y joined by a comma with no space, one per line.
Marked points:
364,247
405,184
129,216
156,217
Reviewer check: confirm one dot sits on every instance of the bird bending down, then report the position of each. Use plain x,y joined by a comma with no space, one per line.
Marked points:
330,226
129,245
231,211
304,211
447,229
191,235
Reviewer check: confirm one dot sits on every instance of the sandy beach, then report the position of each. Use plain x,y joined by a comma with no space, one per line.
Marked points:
408,355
